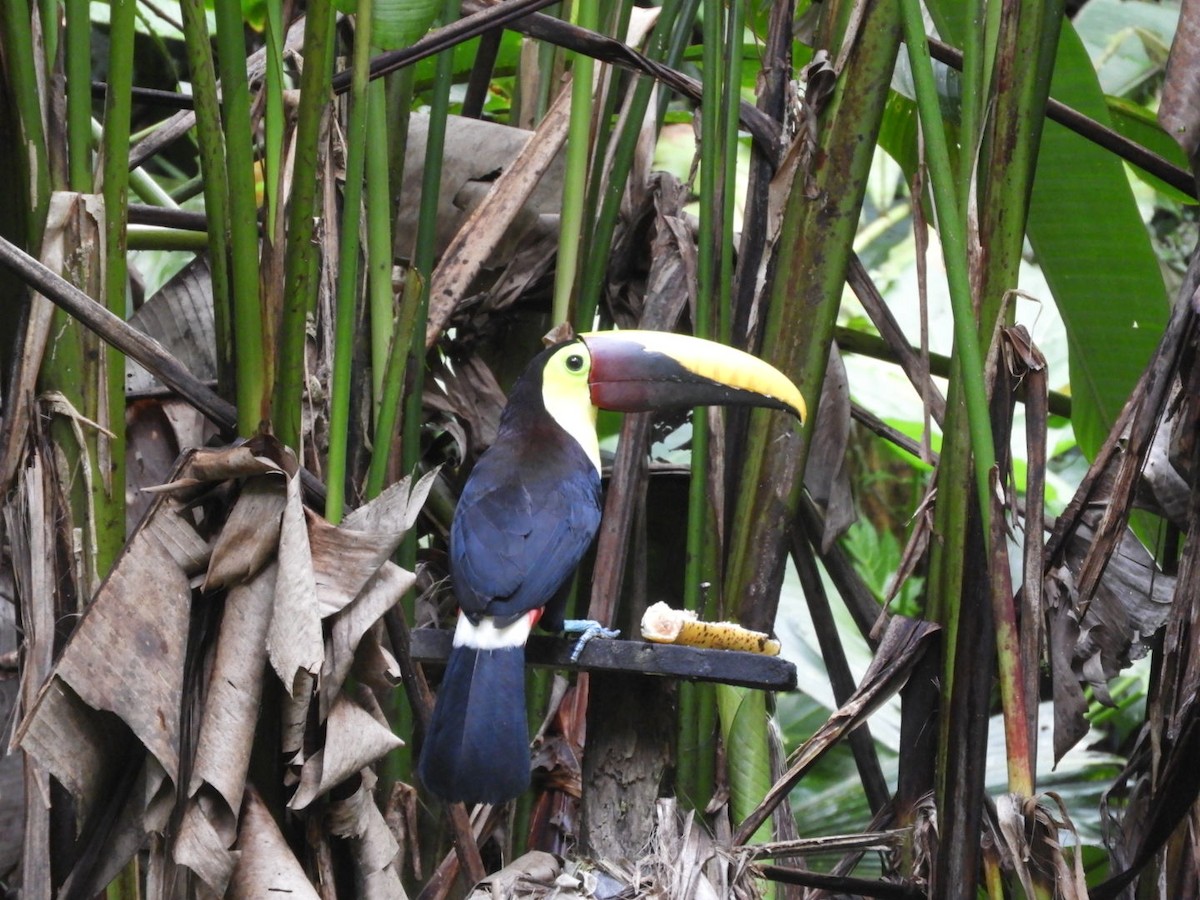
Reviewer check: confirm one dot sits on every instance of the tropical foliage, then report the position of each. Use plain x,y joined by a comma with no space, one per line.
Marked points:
269,269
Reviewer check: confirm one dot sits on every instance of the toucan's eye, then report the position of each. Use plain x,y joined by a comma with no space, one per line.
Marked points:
575,362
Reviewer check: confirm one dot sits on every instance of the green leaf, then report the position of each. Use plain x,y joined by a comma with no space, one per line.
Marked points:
1136,122
743,715
1095,252
399,23
898,132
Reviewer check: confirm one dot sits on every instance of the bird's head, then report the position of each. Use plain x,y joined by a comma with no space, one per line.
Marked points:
639,371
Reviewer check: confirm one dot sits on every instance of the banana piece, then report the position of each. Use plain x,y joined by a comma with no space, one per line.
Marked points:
665,625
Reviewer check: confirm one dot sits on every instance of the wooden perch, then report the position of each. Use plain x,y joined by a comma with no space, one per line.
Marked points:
768,673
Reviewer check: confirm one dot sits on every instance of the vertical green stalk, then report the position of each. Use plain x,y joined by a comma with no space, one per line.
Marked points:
395,115
110,502
273,117
302,264
251,390
730,119
48,12
964,446
699,557
214,180
402,334
409,348
16,36
951,232
600,241
78,62
347,277
584,13
696,704
423,255
972,94
380,298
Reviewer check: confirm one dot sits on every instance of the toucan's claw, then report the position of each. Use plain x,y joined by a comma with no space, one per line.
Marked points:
586,629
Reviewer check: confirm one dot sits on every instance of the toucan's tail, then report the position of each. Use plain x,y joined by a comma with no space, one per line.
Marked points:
477,746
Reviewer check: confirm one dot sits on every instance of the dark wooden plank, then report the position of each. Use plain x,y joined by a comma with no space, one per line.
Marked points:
769,673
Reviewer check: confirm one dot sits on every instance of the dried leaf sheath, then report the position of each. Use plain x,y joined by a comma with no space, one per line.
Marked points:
145,609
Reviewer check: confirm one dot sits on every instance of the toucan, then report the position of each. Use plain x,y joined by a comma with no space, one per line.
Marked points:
527,515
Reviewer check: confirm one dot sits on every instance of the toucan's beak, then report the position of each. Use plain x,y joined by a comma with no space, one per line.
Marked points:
636,371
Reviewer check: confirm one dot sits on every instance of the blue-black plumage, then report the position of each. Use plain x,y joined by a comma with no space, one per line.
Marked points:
477,747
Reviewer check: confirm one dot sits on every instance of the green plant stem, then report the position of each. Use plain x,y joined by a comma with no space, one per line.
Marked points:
149,237
584,13
696,767
302,261
700,561
251,380
600,241
380,297
141,184
820,217
78,59
346,320
393,383
110,502
17,43
951,232
214,181
973,88
273,114
423,259
730,110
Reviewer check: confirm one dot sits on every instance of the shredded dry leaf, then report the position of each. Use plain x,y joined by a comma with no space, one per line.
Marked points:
122,680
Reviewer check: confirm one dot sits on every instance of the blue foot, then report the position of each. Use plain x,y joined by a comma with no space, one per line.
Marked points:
586,629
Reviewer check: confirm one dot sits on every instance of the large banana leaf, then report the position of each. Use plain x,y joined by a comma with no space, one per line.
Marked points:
1088,235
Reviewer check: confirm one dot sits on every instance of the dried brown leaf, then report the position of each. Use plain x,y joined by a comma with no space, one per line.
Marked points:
258,456
348,627
343,561
266,866
396,508
150,454
250,536
205,838
1029,832
294,641
173,531
488,223
476,151
470,393
234,691
179,316
521,878
373,847
826,475
1132,601
143,608
354,738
